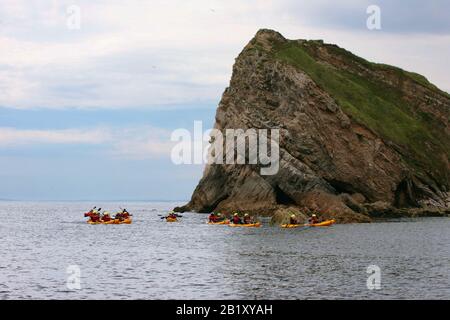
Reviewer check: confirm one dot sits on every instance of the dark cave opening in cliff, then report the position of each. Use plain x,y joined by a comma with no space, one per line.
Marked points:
404,195
341,186
282,197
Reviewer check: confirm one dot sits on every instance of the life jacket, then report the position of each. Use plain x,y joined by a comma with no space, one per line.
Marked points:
313,220
236,220
247,220
293,221
119,216
106,218
95,218
125,215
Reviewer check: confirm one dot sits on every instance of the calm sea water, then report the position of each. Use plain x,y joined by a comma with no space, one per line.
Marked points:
152,259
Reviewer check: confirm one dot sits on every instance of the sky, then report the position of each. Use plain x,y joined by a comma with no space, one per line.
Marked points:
90,91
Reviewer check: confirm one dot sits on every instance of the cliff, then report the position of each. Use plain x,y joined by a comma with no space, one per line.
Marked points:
357,139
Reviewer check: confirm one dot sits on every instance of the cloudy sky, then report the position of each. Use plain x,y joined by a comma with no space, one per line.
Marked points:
86,110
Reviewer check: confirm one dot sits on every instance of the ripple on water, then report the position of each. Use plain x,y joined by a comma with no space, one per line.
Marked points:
151,259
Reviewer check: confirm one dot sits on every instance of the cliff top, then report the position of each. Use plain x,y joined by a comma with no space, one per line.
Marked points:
402,107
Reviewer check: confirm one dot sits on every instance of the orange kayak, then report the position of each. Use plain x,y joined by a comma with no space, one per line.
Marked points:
289,226
220,222
326,223
113,221
249,225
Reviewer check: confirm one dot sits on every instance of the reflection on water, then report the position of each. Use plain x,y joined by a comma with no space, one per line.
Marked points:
151,259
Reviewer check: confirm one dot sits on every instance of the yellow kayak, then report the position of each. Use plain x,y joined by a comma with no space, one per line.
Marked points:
220,222
326,223
249,225
114,221
288,226
171,219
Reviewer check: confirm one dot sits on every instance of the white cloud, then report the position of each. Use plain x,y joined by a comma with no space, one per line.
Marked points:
141,143
130,143
151,53
15,137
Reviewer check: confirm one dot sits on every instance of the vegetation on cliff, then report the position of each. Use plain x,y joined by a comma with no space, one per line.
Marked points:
376,104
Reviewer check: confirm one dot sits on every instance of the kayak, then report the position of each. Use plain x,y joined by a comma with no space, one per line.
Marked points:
248,225
171,219
113,221
117,221
326,223
288,226
220,222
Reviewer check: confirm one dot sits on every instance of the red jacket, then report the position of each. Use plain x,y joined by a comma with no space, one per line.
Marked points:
236,220
213,218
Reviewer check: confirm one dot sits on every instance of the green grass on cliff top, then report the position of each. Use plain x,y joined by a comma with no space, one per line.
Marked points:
374,104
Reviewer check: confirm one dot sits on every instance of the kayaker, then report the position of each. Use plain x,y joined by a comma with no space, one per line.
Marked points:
126,214
88,214
172,215
220,217
313,219
119,216
236,219
106,217
247,219
213,217
95,216
293,219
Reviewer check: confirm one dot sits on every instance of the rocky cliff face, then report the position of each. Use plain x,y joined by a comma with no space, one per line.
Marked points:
357,138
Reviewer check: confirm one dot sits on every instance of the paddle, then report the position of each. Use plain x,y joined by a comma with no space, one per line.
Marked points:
177,215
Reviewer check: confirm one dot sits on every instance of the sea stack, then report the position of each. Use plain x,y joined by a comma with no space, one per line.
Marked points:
358,139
